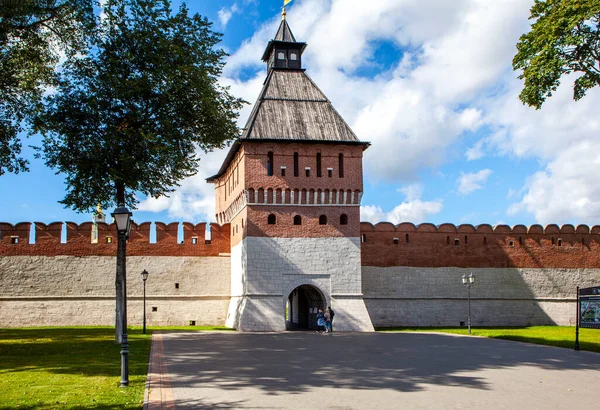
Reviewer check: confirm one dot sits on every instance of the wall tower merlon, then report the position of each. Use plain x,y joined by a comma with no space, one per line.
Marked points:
519,229
484,228
466,228
536,230
583,229
51,233
140,233
15,234
406,227
166,234
191,231
426,227
447,228
552,229
567,229
385,227
502,229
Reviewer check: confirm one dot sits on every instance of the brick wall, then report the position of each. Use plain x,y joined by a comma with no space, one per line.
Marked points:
79,243
466,246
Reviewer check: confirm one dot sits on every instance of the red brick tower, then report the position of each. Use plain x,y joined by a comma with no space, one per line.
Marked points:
291,188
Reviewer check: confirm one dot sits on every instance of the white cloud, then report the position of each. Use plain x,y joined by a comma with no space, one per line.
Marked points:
476,151
452,75
473,181
225,14
194,200
567,190
413,209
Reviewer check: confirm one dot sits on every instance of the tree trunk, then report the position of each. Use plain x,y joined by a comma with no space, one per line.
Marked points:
119,274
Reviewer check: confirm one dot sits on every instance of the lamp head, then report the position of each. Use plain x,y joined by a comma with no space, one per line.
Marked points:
122,218
144,275
465,279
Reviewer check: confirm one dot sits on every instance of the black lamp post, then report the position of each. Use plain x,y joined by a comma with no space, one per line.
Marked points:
122,218
468,281
144,278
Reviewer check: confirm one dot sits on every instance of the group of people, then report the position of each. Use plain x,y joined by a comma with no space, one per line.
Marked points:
325,320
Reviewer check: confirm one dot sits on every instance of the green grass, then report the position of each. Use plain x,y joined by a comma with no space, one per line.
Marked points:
187,328
560,336
67,368
74,367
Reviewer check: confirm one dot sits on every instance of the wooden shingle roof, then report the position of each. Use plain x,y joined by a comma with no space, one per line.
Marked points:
292,108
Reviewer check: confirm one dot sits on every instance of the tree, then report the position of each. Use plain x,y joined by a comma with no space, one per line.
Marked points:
33,36
564,39
129,117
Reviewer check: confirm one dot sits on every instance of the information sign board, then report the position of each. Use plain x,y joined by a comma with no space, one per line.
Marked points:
589,307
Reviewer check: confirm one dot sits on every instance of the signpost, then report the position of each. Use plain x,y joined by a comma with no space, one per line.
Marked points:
588,310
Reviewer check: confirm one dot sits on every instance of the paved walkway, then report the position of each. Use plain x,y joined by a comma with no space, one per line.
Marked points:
304,370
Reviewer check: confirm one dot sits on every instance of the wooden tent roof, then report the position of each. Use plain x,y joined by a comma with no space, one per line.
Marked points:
291,107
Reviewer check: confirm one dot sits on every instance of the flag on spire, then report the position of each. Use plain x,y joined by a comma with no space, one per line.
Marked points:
286,2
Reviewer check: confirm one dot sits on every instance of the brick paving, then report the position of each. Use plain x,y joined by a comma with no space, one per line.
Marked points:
305,370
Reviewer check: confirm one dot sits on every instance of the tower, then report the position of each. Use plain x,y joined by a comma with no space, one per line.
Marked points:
290,188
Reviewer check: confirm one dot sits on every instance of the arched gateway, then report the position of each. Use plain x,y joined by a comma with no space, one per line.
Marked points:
302,307
290,190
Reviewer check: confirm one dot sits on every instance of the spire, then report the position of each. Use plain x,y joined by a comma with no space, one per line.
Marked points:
284,51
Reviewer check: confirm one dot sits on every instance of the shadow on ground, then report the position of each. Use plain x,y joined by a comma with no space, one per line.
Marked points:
296,362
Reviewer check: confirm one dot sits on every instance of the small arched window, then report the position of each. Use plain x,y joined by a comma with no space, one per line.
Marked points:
270,165
293,56
295,164
344,219
271,220
322,220
281,56
297,220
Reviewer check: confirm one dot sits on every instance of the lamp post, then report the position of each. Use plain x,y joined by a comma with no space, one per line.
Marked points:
122,218
144,279
468,281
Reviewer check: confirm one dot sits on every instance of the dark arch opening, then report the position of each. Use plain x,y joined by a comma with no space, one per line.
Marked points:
302,307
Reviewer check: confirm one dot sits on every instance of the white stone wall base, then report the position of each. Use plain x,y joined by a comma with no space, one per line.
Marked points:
94,312
351,315
448,312
256,314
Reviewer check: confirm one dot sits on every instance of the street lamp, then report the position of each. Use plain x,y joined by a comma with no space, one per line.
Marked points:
144,278
468,281
122,218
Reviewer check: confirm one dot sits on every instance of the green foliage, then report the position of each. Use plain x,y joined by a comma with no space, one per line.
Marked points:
70,368
130,116
33,35
559,336
564,39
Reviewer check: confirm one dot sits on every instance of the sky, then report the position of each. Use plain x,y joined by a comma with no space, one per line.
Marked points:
429,84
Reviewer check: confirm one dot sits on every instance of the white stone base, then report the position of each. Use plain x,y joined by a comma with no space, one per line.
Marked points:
256,313
351,314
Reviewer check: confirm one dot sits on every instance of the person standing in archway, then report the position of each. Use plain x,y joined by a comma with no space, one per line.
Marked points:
327,320
321,325
329,313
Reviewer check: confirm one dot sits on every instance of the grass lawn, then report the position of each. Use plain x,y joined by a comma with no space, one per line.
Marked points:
74,367
70,367
560,336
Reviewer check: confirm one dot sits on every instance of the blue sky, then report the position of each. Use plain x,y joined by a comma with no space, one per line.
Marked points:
430,84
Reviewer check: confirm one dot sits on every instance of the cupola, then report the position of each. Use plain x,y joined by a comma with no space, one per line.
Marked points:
284,51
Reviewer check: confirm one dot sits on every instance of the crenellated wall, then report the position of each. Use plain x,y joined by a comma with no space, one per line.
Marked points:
466,246
50,283
411,275
79,239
